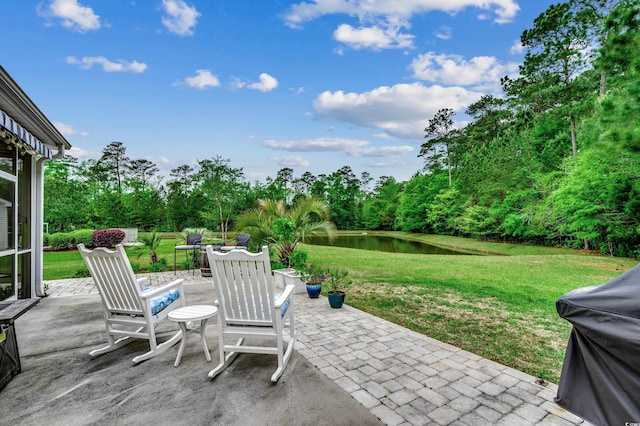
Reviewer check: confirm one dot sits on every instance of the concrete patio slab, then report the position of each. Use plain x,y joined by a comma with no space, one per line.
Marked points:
349,368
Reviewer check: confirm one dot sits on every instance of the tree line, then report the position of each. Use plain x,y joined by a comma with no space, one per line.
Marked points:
553,162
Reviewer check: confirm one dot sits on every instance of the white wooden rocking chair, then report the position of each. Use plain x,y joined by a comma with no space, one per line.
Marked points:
131,311
248,307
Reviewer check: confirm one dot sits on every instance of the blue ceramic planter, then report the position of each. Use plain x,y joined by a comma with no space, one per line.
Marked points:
336,299
313,290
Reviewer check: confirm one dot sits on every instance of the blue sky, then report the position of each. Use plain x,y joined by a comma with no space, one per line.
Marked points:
313,85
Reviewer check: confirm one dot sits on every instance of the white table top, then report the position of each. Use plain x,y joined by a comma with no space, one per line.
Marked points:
192,313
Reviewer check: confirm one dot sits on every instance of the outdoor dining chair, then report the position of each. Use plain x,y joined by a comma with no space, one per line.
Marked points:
193,245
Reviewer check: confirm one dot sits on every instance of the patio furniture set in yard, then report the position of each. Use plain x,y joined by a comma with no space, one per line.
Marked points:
246,304
195,247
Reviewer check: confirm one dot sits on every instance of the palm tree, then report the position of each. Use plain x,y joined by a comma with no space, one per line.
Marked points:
152,242
272,222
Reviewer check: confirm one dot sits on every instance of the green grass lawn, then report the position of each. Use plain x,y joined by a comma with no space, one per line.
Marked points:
499,305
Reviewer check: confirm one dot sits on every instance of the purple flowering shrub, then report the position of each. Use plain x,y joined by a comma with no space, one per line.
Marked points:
107,237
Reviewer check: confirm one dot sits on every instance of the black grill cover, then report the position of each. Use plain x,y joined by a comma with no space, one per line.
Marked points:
600,379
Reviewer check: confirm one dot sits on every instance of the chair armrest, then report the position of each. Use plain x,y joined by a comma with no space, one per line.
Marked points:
288,291
160,290
142,282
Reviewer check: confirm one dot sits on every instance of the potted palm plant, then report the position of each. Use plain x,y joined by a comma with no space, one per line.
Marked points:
283,227
337,281
293,274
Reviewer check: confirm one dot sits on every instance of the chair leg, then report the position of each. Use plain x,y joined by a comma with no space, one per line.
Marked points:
283,359
159,349
224,360
112,346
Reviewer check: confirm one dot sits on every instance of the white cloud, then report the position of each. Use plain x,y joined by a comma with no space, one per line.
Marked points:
290,161
382,151
443,33
73,15
180,18
68,129
317,145
201,80
266,84
516,48
374,37
120,66
367,10
161,161
455,70
400,111
82,154
355,147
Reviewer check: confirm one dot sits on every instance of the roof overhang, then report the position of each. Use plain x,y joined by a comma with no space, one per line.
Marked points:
29,127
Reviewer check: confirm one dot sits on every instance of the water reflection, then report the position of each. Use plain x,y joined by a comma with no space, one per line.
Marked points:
382,243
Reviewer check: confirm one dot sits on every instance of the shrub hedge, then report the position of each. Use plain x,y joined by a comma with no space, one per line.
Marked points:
60,240
84,236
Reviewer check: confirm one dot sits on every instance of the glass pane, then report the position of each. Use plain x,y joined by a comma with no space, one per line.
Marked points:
24,202
24,276
6,158
6,277
6,214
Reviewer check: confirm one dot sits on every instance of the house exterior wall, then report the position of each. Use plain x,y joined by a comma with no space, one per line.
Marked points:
27,140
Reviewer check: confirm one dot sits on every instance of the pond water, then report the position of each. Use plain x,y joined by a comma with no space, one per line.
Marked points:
382,243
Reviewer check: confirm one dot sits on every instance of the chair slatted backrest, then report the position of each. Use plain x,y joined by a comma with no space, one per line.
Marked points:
243,240
194,239
114,277
244,285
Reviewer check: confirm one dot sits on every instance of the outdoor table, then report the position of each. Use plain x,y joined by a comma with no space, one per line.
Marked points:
9,356
189,314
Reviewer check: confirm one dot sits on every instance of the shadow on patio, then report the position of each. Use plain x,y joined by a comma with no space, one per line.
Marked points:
61,385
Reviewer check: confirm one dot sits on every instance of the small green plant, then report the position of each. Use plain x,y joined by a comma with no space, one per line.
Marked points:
284,234
313,274
158,266
187,264
299,259
338,280
81,273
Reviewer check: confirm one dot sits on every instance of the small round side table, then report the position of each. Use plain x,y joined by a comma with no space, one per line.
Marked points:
190,314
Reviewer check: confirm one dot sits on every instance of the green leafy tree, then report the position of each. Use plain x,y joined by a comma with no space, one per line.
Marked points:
183,200
141,172
437,150
225,192
416,199
66,199
379,210
115,162
554,59
342,192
